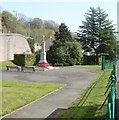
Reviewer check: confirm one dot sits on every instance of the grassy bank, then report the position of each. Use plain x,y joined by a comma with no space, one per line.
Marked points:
18,94
87,106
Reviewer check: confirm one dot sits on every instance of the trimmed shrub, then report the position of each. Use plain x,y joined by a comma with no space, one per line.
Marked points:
24,59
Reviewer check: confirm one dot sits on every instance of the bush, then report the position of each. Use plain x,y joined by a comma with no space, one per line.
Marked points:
72,61
68,54
24,59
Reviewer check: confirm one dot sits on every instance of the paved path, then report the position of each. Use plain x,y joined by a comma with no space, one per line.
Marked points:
77,79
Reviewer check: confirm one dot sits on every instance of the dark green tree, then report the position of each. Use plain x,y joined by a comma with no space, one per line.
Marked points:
97,32
64,49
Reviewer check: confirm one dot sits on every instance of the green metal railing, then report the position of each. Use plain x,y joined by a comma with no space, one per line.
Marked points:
111,97
107,64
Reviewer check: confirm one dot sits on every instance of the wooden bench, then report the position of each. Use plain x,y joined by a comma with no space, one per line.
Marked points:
23,68
58,64
13,68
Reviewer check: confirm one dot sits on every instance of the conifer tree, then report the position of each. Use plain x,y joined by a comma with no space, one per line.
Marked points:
97,32
64,49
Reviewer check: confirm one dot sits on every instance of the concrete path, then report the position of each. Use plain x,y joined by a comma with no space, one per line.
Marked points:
77,79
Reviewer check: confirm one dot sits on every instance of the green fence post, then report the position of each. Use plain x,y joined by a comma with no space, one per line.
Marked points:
113,96
109,107
103,62
113,103
113,78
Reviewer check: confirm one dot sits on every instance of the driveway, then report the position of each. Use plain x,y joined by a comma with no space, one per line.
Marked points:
76,80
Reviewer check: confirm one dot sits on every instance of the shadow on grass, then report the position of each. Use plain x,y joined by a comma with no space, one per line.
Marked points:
86,94
75,113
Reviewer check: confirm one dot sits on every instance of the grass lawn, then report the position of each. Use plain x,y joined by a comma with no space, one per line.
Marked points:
40,68
7,63
10,63
18,94
87,106
85,66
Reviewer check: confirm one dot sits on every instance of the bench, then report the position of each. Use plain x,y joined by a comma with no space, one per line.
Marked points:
13,68
58,64
23,68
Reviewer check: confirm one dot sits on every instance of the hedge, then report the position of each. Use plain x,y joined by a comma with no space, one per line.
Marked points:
89,60
24,59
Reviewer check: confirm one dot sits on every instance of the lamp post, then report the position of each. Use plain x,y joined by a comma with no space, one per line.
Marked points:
29,29
16,19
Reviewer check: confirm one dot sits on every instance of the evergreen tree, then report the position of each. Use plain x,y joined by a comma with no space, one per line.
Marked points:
97,32
64,49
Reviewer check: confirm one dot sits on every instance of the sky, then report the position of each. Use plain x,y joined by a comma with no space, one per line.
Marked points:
70,12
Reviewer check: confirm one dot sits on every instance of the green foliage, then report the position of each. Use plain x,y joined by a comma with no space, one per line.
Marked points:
89,60
72,61
24,59
65,49
37,56
57,55
64,34
31,44
97,32
8,21
118,48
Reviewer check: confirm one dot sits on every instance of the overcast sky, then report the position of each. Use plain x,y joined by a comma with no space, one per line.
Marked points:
70,12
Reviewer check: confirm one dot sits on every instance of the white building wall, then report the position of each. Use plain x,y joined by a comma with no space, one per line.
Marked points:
11,44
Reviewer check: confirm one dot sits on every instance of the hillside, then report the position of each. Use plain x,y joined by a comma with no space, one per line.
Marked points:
33,27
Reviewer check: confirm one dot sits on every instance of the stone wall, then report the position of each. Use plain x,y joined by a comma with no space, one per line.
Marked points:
11,44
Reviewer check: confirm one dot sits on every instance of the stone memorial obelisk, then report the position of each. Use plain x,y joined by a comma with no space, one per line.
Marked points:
43,62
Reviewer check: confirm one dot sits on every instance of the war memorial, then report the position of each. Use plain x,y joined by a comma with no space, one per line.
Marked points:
74,82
